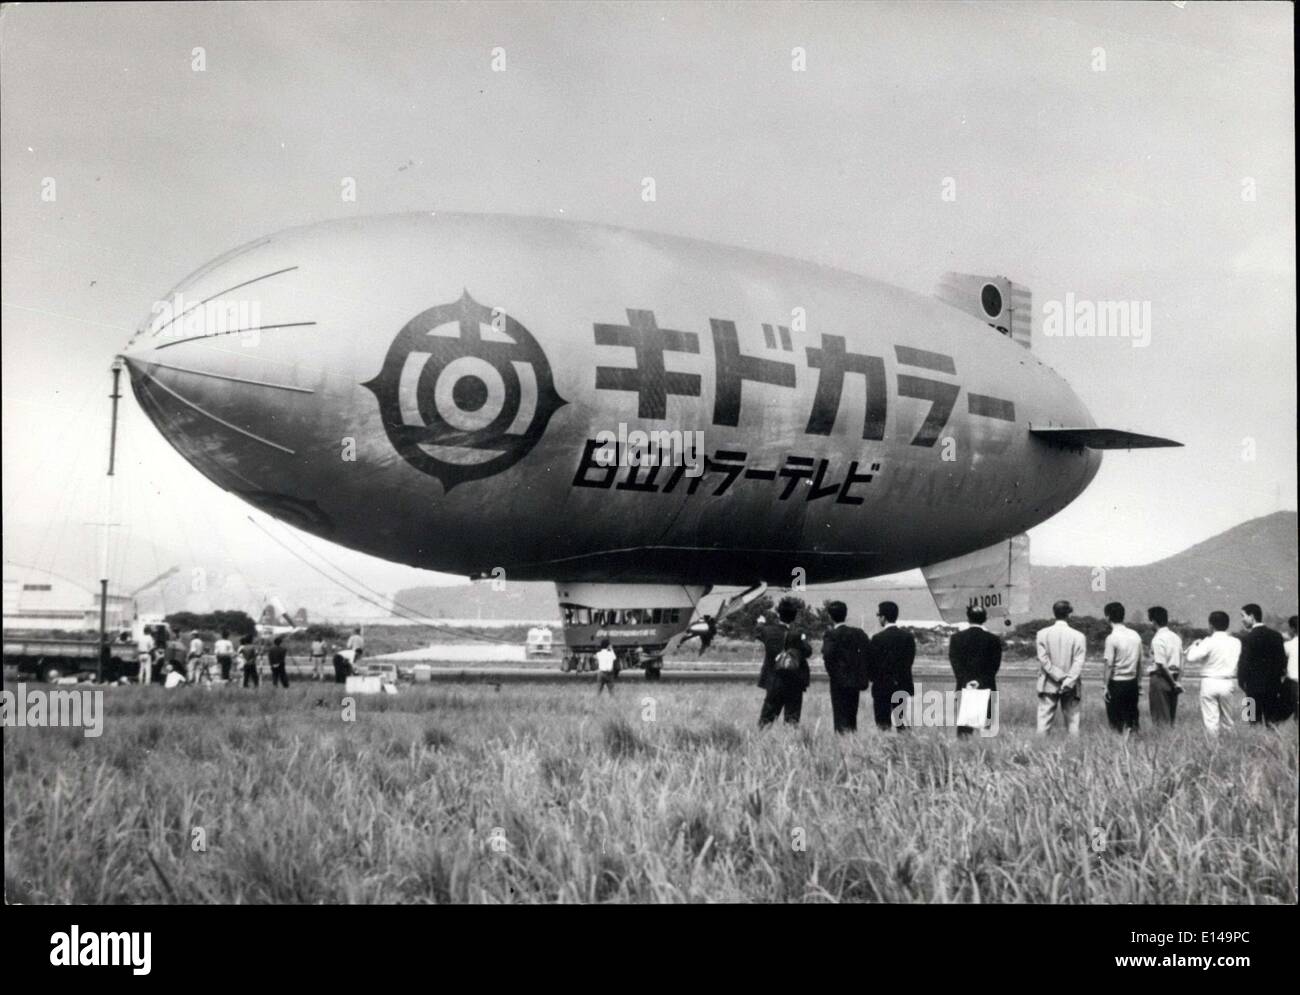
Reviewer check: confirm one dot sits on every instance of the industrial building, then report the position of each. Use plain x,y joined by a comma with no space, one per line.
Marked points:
39,601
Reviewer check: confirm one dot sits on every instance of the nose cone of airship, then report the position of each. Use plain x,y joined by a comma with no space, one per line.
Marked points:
216,367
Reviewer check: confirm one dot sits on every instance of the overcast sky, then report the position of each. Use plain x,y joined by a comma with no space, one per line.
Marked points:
1123,182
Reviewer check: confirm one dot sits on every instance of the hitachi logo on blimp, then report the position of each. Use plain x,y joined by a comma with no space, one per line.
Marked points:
102,949
1098,319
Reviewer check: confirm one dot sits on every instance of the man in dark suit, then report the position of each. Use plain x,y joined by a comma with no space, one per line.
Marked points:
784,688
975,655
846,653
1262,666
892,652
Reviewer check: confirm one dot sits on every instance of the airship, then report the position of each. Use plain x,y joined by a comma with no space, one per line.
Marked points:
635,417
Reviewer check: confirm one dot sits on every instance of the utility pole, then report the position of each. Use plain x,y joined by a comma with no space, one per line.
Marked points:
103,548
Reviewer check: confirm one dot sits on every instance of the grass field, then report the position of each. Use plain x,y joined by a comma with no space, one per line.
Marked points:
663,794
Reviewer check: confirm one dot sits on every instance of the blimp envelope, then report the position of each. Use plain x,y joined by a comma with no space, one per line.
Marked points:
474,394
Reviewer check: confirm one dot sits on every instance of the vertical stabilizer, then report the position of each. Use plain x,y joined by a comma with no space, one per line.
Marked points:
995,578
1003,305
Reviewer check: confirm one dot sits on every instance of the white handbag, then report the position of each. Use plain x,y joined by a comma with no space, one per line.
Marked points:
973,708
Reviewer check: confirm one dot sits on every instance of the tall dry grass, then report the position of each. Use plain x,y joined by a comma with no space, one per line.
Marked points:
545,794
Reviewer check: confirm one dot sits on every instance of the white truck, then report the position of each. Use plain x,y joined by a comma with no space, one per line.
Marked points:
540,643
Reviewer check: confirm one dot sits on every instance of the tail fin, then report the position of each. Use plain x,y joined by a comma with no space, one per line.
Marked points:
268,615
1005,306
300,617
995,579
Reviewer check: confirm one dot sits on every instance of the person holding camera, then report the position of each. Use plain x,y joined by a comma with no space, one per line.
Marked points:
785,674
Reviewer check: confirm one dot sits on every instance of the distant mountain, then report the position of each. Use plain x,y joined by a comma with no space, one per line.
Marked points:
1254,561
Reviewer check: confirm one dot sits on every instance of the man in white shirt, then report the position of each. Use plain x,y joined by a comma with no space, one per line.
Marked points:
144,651
318,658
357,644
1292,683
1163,668
1220,652
171,677
1121,660
606,659
1061,651
224,650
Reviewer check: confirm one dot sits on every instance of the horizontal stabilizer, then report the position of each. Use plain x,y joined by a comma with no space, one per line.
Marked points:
995,579
1101,438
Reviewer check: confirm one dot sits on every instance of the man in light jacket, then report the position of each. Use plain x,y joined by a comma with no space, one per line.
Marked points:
1061,651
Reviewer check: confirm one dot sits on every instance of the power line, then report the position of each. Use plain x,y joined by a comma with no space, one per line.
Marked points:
395,608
